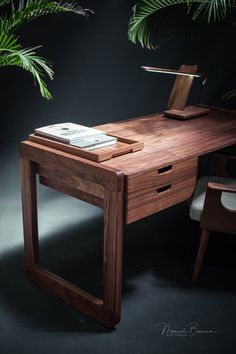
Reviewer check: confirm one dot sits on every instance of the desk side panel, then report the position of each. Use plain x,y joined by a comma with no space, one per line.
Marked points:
71,170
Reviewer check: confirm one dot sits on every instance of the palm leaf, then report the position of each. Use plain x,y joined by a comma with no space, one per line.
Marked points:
29,61
11,52
211,10
3,2
145,20
29,10
146,16
9,42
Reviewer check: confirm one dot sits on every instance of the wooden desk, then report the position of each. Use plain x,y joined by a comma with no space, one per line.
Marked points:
129,188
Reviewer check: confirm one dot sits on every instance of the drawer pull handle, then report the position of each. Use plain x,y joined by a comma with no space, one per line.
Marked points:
164,189
164,169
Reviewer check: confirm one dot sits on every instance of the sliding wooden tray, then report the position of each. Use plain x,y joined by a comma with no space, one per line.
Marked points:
123,146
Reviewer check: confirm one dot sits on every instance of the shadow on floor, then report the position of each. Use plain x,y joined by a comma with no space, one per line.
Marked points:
153,245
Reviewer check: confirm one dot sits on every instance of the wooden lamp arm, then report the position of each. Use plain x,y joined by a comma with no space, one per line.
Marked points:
220,162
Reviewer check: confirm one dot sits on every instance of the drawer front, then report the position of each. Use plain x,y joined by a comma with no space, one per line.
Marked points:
161,177
158,190
158,199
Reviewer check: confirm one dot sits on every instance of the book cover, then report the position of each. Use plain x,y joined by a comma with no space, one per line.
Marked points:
68,132
95,142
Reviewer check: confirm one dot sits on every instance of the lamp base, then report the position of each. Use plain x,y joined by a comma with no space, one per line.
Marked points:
187,112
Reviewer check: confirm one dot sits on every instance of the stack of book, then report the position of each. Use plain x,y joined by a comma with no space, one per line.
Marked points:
77,135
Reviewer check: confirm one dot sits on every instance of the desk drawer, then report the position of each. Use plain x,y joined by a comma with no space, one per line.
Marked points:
155,191
161,177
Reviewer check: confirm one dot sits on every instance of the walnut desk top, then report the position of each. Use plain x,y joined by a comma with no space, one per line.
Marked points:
128,188
169,141
169,158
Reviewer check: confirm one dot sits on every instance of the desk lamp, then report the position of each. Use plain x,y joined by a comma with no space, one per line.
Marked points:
180,91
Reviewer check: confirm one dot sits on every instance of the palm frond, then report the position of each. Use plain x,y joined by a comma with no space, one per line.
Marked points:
29,61
146,16
3,2
8,42
29,10
11,52
212,10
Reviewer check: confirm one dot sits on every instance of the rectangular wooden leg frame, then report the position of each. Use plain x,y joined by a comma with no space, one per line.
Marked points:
65,170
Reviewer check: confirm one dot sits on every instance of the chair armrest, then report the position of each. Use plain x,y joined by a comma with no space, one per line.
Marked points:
221,187
220,162
215,216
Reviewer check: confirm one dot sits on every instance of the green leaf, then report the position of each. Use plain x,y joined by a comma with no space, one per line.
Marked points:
11,52
29,10
29,61
3,2
9,42
146,16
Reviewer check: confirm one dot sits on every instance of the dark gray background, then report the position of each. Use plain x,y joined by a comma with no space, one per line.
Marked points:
97,70
97,80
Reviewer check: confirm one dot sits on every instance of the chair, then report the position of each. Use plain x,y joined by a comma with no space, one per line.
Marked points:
214,204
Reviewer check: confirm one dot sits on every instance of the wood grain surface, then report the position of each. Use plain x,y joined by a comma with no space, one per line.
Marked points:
168,141
182,87
123,146
88,181
128,187
154,191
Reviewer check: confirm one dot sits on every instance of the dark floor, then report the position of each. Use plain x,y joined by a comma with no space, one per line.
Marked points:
158,295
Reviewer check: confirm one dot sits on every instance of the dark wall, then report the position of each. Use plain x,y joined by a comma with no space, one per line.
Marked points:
97,70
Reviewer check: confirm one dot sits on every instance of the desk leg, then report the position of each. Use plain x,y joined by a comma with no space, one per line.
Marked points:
113,253
30,218
107,310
